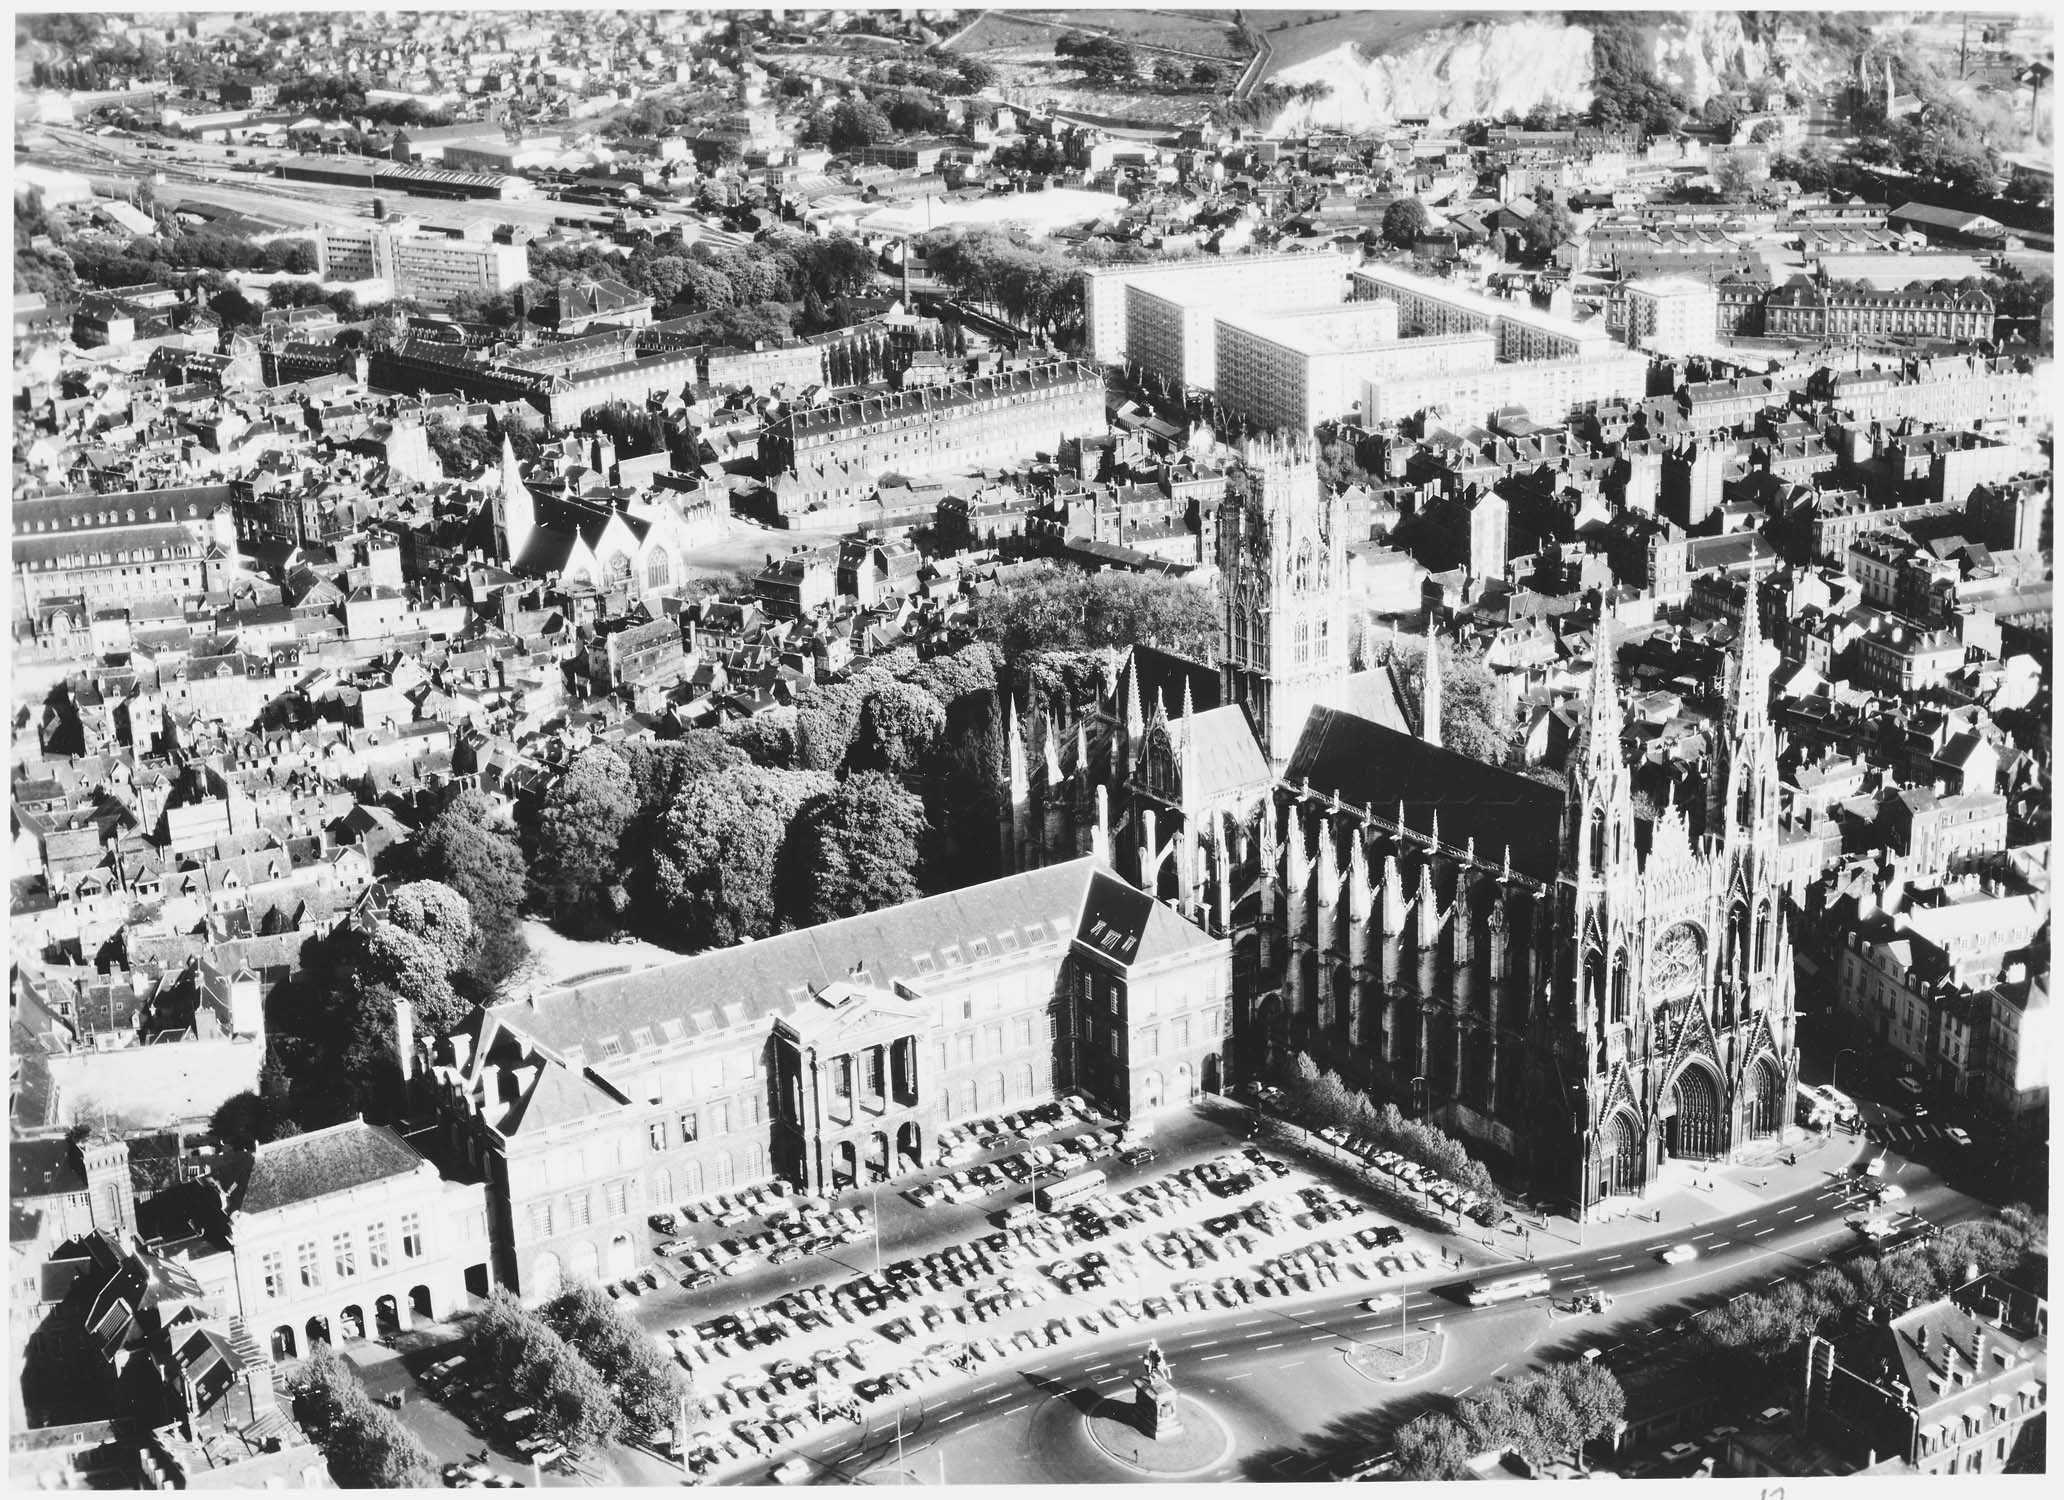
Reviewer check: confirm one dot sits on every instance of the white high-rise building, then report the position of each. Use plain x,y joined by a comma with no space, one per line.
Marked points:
1286,279
1672,315
424,267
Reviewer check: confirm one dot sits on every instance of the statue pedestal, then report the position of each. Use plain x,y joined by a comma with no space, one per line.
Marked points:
1154,1396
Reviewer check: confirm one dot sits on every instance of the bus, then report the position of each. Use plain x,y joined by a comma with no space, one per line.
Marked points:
1508,1289
1814,1106
1069,1191
1840,1106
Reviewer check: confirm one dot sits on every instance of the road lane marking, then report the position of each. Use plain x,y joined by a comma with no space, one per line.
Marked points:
1723,1244
1242,1375
1014,1410
1205,1344
1214,1356
951,1415
1250,1322
1005,1396
1706,1236
1745,1223
1101,1364
1318,1336
1761,1232
1266,1347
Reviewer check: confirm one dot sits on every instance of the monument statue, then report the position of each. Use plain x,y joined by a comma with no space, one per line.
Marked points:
1155,1394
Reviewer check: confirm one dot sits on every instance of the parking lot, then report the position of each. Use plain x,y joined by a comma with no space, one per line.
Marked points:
1070,1231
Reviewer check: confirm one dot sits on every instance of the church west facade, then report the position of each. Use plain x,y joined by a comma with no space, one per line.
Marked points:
1587,996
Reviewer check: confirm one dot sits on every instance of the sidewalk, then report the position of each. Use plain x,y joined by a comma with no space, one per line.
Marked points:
1689,1193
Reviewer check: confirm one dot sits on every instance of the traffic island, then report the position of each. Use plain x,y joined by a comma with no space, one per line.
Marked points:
1197,1443
1398,1359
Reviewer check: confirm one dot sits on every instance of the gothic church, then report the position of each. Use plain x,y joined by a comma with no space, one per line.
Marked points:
1583,997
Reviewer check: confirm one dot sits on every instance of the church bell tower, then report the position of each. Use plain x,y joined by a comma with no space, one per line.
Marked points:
1282,562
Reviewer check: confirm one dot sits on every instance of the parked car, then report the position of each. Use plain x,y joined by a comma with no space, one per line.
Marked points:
665,1223
1138,1156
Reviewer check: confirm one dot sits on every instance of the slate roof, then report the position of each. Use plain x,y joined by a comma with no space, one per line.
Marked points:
1218,748
741,986
1126,924
1361,762
321,1162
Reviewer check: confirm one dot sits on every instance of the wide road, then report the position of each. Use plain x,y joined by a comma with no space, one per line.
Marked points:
1280,1378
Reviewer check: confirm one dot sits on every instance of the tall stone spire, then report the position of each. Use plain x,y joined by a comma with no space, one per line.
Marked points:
1603,726
1430,689
515,511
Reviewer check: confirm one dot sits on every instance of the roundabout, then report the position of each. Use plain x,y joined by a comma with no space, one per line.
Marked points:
1202,1443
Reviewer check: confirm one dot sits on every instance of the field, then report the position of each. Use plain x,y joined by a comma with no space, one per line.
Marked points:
1296,36
1198,34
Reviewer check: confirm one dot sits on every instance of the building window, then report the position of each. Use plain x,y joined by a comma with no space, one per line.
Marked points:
617,1197
656,1133
311,1264
412,1236
687,1126
376,1246
275,1274
345,1254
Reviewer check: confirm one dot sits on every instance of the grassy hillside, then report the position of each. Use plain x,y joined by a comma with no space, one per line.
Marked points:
1297,36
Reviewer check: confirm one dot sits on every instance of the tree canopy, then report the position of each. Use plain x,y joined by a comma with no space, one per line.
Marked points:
1404,221
863,848
1057,608
716,857
576,872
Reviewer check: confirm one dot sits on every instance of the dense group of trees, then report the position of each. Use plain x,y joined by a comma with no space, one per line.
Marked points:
1403,222
1055,608
531,1365
366,1445
1772,1325
1319,1099
1034,286
1103,59
1950,147
172,257
784,820
767,288
646,1385
1624,87
1541,1415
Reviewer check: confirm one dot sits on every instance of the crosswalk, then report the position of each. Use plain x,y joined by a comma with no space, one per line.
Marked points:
1909,1134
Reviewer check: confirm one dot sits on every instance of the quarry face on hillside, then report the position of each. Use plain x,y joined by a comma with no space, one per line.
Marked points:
1513,64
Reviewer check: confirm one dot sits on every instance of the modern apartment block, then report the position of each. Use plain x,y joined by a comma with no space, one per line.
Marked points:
1427,305
426,267
1297,369
1672,315
1288,279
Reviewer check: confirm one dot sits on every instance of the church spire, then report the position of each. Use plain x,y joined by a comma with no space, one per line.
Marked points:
515,510
1751,678
1430,689
1604,724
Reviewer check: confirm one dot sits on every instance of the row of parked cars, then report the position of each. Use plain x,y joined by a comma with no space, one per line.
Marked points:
793,1233
1036,1163
962,1143
726,1209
